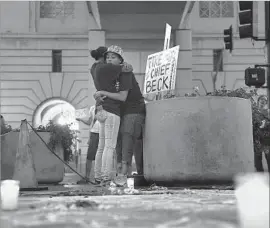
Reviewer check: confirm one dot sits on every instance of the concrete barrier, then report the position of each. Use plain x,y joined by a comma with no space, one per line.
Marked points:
198,139
49,169
24,170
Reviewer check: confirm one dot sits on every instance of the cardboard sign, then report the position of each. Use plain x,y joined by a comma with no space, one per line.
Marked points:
81,113
160,71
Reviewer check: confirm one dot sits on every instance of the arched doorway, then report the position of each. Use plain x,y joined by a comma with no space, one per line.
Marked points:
57,110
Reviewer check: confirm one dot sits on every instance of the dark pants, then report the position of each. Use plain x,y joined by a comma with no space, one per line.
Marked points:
93,146
130,140
258,156
138,154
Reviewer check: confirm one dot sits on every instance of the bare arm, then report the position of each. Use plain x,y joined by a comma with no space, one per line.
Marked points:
104,68
99,99
149,97
120,96
126,85
87,122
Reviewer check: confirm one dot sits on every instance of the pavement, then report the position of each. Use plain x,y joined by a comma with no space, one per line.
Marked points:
70,205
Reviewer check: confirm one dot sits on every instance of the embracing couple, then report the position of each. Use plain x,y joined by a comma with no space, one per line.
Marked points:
120,111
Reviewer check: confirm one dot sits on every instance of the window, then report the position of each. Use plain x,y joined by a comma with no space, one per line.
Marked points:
215,9
217,60
56,61
56,9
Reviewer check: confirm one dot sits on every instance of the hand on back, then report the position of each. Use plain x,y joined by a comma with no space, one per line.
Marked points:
99,97
126,67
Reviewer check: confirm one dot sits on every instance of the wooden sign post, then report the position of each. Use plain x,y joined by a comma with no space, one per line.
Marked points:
167,39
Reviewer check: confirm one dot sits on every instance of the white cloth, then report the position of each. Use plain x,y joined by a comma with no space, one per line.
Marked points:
94,127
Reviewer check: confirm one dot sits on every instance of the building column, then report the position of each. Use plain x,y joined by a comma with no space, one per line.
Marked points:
96,38
183,84
32,16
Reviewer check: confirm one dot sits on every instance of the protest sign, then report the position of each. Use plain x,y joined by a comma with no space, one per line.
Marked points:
82,113
160,71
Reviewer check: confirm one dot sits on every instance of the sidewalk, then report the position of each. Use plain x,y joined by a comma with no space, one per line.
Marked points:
159,208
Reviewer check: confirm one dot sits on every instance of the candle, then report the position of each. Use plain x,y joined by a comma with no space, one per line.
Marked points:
130,183
9,194
252,195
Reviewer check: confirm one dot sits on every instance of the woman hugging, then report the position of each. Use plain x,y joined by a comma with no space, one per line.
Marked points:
123,98
106,73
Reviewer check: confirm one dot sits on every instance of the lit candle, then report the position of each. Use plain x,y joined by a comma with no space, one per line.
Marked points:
9,194
252,195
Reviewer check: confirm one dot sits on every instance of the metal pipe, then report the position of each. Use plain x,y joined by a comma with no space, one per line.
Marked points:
262,65
267,43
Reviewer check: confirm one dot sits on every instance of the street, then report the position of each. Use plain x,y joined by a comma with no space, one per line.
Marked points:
89,206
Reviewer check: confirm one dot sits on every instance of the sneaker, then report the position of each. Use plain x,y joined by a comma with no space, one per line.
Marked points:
96,182
120,180
83,181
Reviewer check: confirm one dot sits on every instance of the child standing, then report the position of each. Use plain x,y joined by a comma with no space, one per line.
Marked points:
92,143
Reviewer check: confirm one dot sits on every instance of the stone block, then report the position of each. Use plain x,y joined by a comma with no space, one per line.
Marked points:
198,139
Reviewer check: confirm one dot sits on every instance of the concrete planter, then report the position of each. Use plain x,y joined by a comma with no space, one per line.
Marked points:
49,169
198,139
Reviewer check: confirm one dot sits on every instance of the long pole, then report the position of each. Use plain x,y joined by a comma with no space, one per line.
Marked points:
267,43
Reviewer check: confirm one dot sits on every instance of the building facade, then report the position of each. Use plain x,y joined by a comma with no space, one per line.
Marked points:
209,19
44,49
